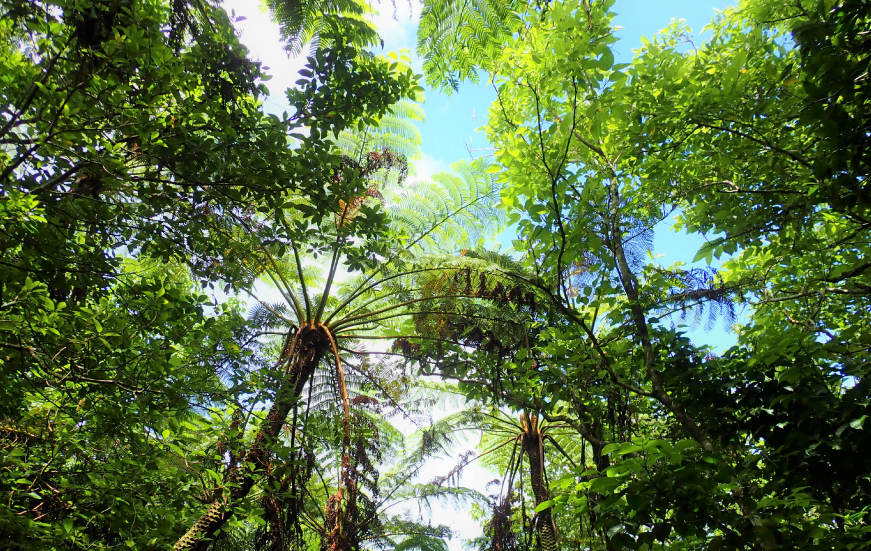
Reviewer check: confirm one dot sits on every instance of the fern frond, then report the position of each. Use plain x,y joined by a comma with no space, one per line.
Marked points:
456,38
304,21
264,316
421,542
453,211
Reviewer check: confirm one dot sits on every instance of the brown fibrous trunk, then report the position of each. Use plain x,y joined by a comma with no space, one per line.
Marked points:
306,349
533,444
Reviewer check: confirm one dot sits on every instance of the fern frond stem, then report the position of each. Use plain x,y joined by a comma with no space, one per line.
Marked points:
503,421
323,482
446,314
330,276
495,431
401,501
314,525
367,328
445,219
397,487
363,139
494,448
343,389
389,534
398,502
595,315
282,318
287,352
285,291
366,287
512,467
303,286
419,239
413,359
362,353
370,302
314,498
399,305
560,449
382,337
377,384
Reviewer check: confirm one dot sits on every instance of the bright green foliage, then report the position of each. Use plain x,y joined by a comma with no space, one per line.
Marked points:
758,448
304,21
834,65
86,424
137,165
447,212
134,154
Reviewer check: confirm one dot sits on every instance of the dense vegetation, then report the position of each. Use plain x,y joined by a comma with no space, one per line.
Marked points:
147,201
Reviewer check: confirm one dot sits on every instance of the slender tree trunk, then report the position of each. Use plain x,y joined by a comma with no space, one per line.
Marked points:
533,446
630,286
307,349
763,537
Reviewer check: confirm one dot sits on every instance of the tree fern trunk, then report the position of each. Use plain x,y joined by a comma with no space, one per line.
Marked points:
532,445
310,346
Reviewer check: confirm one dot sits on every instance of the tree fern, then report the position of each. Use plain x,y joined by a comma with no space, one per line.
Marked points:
421,542
319,333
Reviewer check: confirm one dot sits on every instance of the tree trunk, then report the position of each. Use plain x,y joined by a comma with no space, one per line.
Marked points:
307,349
533,446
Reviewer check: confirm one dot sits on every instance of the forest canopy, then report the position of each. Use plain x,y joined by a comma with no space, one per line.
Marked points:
222,328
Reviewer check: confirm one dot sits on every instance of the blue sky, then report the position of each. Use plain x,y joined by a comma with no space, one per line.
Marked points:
451,124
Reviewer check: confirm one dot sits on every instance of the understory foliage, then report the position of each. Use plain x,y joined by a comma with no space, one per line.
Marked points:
223,329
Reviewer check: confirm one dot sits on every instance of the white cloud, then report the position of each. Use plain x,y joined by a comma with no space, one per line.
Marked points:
261,36
397,21
428,165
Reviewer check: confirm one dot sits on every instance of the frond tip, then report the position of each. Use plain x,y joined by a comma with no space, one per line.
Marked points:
456,37
304,21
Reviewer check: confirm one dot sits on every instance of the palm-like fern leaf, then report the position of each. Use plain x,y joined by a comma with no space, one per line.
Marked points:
397,130
450,212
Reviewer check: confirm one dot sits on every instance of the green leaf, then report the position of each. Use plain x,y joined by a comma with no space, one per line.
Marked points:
605,484
606,61
611,448
543,505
